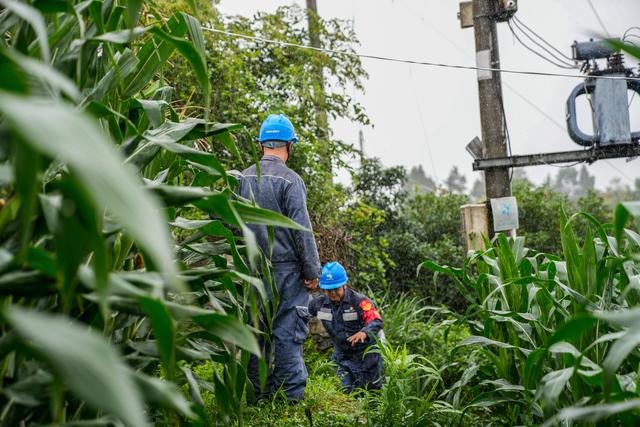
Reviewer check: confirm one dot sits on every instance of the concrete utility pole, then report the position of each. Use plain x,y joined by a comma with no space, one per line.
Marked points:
318,88
494,142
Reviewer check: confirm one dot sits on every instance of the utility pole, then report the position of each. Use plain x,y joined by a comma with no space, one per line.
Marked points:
318,88
497,183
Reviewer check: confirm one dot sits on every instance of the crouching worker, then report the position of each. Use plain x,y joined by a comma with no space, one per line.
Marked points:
352,323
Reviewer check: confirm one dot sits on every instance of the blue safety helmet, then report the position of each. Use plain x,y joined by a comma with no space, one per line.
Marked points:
276,131
333,276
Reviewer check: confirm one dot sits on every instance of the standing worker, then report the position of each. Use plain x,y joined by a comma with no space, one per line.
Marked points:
293,254
353,324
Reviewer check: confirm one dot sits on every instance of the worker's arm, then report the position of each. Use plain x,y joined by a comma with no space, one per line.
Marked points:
296,205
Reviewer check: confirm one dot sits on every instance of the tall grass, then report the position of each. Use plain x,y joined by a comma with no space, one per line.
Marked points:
409,396
559,336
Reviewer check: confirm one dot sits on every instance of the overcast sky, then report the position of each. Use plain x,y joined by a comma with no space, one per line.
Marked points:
426,115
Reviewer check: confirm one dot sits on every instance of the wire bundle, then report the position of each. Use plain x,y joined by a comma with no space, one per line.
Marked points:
551,54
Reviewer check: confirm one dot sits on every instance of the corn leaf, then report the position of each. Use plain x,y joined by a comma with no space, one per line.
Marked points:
59,131
85,360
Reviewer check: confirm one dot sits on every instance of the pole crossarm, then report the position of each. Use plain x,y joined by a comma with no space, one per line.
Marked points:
589,156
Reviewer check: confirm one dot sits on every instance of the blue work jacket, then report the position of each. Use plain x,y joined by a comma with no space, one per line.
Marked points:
281,190
354,313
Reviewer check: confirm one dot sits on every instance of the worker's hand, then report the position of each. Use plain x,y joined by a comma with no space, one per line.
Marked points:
356,338
311,284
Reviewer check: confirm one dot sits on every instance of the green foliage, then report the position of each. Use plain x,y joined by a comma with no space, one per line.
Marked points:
99,169
413,384
253,78
380,187
325,404
557,335
539,209
367,259
428,227
431,332
409,395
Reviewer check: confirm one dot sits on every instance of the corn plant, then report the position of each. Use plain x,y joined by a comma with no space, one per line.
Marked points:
117,225
559,336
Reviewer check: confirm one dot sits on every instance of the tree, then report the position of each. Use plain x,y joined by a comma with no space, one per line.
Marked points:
478,189
428,227
586,181
418,182
617,192
574,183
456,182
566,181
380,187
253,78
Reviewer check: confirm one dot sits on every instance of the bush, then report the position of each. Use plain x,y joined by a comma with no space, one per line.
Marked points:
367,258
428,227
539,210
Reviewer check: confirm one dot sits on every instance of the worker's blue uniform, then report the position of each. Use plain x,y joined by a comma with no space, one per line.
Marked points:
294,256
353,314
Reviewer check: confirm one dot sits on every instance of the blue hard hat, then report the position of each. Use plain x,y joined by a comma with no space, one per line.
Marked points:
277,127
333,276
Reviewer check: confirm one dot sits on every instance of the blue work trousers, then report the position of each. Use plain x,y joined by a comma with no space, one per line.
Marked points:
289,331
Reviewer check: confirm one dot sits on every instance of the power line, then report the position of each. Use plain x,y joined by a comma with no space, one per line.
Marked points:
595,12
551,61
414,62
435,64
521,23
562,62
553,120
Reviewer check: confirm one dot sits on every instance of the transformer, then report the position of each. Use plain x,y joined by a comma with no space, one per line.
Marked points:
608,96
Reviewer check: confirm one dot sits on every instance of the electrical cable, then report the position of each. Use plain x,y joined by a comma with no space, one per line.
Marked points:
563,166
434,64
624,35
414,62
595,12
551,61
561,60
507,137
543,113
520,22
